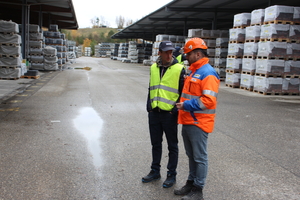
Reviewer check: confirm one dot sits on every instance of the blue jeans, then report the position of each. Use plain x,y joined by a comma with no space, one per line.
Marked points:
159,123
195,143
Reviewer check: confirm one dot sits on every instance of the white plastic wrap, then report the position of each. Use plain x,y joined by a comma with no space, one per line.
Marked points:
250,49
234,63
221,52
235,49
270,67
10,73
222,42
37,66
233,79
211,52
296,16
36,36
10,50
10,61
248,65
241,19
220,62
294,33
257,16
10,39
53,27
291,85
35,44
210,43
36,51
292,67
50,66
8,27
253,33
293,50
52,59
48,50
36,58
272,49
270,84
275,31
162,37
247,81
279,12
237,34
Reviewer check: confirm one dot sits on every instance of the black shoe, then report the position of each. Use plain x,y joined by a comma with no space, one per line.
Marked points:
153,175
195,194
169,182
187,188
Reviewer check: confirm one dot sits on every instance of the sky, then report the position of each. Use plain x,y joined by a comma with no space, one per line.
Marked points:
109,10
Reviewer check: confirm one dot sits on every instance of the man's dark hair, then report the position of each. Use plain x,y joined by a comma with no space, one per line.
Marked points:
203,51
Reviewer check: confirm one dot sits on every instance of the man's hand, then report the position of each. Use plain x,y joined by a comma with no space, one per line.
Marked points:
179,105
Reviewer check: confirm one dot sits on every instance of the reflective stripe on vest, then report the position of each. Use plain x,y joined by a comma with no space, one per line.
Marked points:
164,92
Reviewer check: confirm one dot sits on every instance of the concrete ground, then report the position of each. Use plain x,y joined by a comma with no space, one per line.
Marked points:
83,134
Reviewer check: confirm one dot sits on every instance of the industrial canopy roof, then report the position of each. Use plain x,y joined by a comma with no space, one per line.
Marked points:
178,16
41,12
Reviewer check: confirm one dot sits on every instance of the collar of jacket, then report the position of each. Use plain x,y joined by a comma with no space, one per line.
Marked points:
159,62
196,65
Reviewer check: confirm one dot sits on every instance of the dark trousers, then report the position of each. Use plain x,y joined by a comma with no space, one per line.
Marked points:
159,123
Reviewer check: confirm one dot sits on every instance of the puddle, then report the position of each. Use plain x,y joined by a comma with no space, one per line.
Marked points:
89,124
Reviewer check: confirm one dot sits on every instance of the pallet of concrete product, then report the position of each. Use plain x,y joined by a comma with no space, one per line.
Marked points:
257,17
36,58
50,59
270,67
294,33
10,73
236,50
247,82
222,42
8,27
293,51
50,51
279,13
269,49
275,31
147,62
267,85
51,66
242,20
237,35
10,39
37,66
250,49
220,62
10,61
252,33
290,86
292,69
53,27
36,36
35,51
12,51
296,16
233,80
233,65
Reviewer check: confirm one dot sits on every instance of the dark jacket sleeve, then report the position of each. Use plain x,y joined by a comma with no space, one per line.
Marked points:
148,106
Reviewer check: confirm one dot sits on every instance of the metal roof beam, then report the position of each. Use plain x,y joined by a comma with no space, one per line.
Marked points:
218,10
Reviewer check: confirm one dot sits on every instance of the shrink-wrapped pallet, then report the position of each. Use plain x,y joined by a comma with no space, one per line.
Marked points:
234,64
35,44
10,73
36,51
224,34
8,27
211,52
53,27
222,42
12,51
221,52
214,34
296,16
272,49
210,43
292,67
235,49
275,31
242,19
290,85
233,79
293,50
10,61
250,49
51,66
267,84
257,16
36,36
10,39
220,62
237,34
48,50
51,34
221,71
279,12
252,33
36,58
162,37
249,65
270,67
37,66
294,33
247,81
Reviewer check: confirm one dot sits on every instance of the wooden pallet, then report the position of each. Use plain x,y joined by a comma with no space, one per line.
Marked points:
274,40
31,77
232,70
253,40
271,57
269,75
242,26
249,73
9,56
251,57
9,78
10,44
267,93
291,93
232,86
291,76
237,42
230,56
246,88
278,22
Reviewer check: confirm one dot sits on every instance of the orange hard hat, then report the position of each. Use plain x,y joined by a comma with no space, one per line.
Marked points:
194,43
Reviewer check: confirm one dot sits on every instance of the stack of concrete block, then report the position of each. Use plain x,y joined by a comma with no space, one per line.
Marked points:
36,40
132,52
50,58
10,51
123,52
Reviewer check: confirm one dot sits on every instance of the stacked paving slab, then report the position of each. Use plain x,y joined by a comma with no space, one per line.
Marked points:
10,51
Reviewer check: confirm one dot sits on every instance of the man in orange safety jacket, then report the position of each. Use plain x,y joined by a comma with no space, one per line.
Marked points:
197,110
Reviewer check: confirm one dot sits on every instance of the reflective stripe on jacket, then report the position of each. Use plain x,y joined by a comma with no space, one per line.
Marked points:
199,95
164,91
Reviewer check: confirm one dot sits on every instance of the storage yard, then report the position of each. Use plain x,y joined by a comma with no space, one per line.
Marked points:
74,123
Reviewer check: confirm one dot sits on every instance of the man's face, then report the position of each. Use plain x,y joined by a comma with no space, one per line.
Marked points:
166,56
192,57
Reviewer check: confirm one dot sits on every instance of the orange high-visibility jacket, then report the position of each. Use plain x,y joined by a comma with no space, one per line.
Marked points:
199,95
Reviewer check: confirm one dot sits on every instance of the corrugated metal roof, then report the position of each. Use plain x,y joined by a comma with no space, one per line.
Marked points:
60,12
178,16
